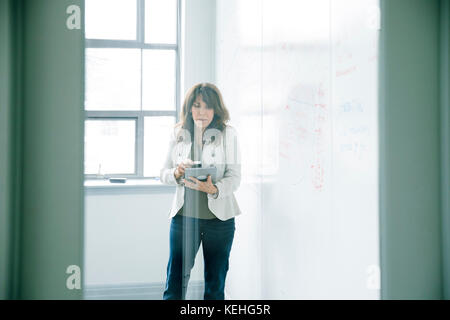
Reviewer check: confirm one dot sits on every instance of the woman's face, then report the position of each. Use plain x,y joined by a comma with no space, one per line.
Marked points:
201,114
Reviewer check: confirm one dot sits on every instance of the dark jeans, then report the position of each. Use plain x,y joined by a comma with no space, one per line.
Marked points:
186,233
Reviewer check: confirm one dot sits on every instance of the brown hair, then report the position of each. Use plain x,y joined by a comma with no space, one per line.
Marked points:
213,99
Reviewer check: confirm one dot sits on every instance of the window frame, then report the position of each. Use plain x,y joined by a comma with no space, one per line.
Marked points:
138,115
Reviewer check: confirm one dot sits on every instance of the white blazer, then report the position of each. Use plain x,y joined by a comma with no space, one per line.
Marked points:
222,150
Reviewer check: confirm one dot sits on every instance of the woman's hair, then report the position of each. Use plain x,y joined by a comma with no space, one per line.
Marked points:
213,99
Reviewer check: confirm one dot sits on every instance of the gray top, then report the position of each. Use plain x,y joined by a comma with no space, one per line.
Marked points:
196,202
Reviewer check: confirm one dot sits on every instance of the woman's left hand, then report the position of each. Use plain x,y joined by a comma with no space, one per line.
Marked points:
205,186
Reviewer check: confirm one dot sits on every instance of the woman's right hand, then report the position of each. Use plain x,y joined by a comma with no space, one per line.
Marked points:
179,171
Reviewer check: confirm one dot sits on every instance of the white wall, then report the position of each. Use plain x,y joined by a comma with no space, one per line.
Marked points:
126,238
198,37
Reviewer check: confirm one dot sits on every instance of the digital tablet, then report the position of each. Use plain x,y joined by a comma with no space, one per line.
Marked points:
201,173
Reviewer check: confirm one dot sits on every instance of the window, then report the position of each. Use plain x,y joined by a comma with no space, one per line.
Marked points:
132,85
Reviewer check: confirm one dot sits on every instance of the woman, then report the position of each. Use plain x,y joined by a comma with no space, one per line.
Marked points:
202,211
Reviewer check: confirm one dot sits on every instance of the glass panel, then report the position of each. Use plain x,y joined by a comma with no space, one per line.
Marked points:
161,21
158,80
156,140
111,19
110,146
309,172
113,79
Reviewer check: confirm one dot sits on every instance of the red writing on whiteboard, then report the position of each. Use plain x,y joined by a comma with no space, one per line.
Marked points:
320,116
345,72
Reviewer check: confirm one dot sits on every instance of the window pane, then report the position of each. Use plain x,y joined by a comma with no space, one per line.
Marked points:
158,80
111,19
110,146
113,79
156,141
161,21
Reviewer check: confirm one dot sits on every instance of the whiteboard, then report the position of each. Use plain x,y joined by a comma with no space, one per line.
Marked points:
300,81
